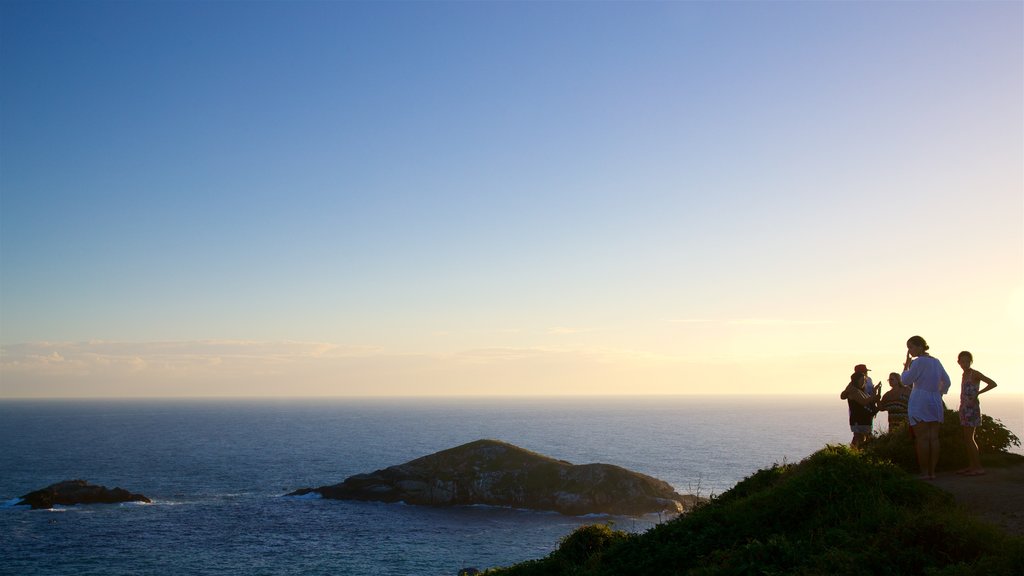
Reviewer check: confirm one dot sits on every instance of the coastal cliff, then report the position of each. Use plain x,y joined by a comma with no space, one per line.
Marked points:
500,474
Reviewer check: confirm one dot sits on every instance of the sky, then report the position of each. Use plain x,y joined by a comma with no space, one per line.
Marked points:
288,198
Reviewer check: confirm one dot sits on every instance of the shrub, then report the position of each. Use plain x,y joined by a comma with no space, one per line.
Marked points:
838,512
898,447
587,543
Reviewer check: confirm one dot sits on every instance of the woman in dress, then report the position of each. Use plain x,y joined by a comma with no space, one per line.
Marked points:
928,381
895,402
862,408
970,410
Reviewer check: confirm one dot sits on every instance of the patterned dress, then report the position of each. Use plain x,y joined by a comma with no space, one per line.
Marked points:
970,406
896,406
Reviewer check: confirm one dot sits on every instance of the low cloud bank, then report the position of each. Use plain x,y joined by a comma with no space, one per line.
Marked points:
290,368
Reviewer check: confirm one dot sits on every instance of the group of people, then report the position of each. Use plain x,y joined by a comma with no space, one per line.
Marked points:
915,399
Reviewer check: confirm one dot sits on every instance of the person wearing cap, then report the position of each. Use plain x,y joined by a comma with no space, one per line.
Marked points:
862,409
869,386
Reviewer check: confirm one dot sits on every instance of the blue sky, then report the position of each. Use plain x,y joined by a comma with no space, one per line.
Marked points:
504,197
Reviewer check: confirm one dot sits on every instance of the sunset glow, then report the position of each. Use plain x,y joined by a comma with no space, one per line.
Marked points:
389,199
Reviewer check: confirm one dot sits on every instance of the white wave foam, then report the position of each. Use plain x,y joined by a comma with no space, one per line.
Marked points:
503,507
306,496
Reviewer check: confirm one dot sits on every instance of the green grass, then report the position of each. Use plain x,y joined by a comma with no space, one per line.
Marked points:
838,512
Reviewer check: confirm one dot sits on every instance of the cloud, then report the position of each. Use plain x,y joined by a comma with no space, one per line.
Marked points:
752,321
693,321
776,322
87,358
291,368
567,331
260,368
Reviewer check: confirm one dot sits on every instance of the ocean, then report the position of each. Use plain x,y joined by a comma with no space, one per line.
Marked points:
217,471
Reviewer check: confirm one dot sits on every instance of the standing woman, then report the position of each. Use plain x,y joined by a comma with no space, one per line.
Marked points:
929,381
970,410
895,402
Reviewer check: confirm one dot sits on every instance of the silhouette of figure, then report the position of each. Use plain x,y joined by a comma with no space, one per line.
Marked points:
869,385
862,408
895,402
929,381
970,410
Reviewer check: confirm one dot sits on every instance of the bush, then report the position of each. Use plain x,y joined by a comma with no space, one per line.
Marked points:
898,447
580,551
992,436
587,543
838,512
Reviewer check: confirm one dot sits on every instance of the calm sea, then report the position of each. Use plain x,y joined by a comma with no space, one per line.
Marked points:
217,470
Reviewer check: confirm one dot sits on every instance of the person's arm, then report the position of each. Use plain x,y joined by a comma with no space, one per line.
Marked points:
989,383
857,395
944,381
911,372
887,400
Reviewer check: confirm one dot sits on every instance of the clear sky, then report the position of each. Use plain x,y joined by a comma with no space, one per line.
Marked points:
490,198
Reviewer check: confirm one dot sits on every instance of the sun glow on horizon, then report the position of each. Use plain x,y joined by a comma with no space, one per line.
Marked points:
335,199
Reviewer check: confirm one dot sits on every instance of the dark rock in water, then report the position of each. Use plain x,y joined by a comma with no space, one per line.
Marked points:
500,474
71,492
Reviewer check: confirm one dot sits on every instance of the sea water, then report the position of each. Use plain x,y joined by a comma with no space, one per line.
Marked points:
217,472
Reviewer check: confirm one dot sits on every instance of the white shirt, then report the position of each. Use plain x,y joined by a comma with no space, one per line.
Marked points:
930,382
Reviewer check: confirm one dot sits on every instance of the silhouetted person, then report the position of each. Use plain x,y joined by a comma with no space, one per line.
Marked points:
970,410
862,408
929,381
869,385
895,402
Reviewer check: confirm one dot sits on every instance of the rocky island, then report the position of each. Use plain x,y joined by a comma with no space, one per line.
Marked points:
500,474
72,492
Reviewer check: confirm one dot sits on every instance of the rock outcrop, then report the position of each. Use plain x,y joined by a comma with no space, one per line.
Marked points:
500,474
71,492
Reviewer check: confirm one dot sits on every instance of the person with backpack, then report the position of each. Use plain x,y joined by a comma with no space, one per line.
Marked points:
862,408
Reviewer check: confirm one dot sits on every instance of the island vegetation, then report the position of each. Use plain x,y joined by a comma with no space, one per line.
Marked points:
497,473
840,511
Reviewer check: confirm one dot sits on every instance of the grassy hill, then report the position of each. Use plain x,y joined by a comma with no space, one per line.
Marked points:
838,512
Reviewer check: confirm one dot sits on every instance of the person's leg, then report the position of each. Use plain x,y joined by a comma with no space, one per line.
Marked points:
973,454
921,447
933,448
862,439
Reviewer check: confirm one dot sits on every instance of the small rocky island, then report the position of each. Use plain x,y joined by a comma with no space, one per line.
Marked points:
499,474
72,492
